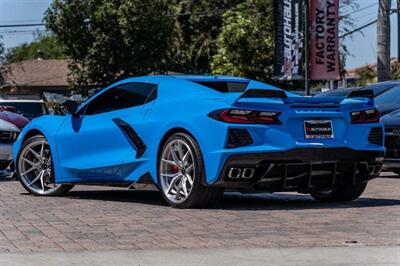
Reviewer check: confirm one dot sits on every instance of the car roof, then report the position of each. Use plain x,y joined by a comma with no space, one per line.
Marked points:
377,88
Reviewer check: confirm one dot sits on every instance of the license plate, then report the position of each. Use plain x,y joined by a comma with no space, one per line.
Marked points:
318,129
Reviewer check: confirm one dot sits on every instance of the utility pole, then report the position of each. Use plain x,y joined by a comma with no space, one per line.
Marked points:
398,30
383,29
306,49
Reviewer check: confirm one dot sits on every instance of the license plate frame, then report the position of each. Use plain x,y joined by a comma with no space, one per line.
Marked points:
318,129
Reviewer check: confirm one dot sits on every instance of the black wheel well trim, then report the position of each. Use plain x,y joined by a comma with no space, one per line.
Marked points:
32,132
164,139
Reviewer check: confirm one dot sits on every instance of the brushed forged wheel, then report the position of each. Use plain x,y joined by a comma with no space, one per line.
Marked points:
177,171
35,169
180,172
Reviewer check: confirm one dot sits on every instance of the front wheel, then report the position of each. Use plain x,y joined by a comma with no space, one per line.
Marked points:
181,172
35,168
340,194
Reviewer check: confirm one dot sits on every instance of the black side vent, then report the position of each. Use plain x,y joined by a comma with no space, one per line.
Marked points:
238,138
376,136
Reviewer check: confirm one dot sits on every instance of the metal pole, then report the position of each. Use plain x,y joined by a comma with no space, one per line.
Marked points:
398,30
306,48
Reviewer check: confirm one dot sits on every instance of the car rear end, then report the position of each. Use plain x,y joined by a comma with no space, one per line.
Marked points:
392,141
279,143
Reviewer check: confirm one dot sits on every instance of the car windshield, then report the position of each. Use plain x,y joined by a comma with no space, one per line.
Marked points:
27,109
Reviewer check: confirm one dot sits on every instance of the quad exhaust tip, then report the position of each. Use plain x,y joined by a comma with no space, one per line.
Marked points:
237,173
248,173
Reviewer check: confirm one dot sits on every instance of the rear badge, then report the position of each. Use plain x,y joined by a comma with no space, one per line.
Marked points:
318,129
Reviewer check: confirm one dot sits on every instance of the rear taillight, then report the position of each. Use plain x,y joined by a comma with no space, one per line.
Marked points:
239,116
365,116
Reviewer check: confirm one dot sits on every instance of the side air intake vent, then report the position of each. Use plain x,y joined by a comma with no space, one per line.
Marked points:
238,138
376,136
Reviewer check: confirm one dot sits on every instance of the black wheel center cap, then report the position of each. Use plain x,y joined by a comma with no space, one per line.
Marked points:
183,171
44,166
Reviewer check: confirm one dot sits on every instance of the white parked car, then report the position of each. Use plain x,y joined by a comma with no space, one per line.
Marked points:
8,134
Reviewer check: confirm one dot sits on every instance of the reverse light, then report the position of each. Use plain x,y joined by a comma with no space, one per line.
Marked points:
365,116
240,116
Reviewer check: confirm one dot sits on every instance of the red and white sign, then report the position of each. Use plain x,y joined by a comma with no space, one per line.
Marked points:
325,40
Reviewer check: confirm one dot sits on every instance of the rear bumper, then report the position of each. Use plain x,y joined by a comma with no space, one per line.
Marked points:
300,169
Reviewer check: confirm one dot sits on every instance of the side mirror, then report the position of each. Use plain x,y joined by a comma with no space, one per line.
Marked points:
69,107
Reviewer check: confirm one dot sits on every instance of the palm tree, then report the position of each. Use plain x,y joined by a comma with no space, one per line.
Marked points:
384,40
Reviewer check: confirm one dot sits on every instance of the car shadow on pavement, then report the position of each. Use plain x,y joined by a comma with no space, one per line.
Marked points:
120,195
291,201
235,201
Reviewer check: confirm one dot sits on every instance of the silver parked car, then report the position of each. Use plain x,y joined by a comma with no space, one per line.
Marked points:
8,134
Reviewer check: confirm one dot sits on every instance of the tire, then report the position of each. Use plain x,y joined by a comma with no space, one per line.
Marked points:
340,194
40,168
188,164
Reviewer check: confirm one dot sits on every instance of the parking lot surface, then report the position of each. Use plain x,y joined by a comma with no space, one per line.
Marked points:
104,218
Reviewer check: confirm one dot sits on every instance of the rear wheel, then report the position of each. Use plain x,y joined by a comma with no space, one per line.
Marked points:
181,172
35,168
340,194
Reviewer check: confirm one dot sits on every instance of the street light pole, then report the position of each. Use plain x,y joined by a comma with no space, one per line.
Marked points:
398,30
306,52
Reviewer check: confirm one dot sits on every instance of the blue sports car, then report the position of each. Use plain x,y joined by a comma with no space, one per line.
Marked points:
195,136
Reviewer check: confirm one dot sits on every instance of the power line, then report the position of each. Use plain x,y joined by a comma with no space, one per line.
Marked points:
21,25
207,13
21,31
364,26
361,9
366,15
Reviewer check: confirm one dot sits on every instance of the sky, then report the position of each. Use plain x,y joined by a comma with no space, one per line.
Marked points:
362,46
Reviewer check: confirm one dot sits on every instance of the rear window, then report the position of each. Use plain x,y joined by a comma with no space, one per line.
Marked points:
27,109
224,87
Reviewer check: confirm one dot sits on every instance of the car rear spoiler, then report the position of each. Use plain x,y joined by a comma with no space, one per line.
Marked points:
361,94
269,96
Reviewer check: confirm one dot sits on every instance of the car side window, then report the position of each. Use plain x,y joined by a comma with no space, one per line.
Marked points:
123,96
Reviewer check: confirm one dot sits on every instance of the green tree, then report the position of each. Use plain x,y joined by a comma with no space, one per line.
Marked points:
3,58
246,43
366,75
197,25
43,46
112,39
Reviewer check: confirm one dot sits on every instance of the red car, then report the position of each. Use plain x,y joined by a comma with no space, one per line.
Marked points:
8,113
